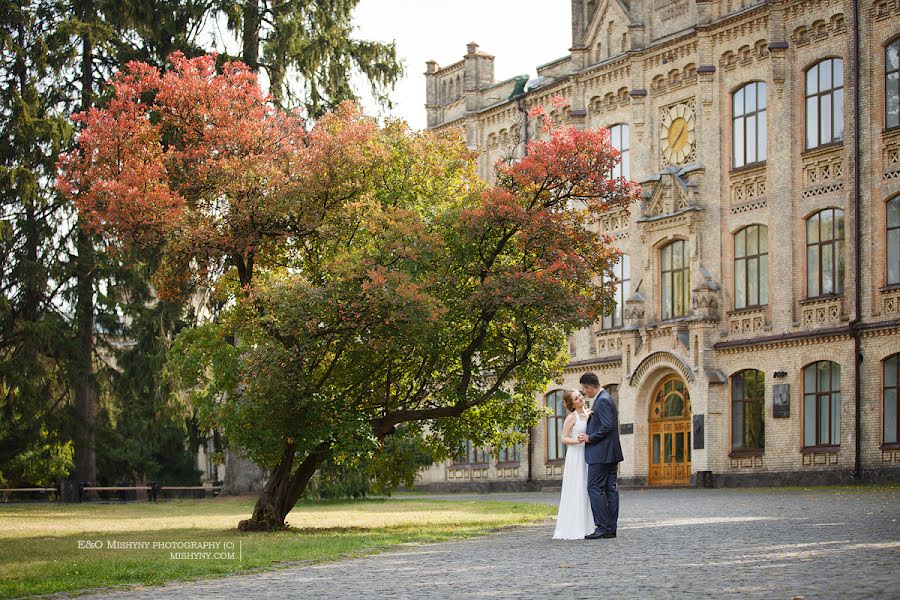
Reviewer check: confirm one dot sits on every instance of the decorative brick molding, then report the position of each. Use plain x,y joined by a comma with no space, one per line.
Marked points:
821,311
825,189
607,342
508,472
818,169
744,55
672,190
890,302
748,206
467,473
883,10
818,459
819,30
891,156
554,470
890,455
651,362
747,321
616,220
748,187
747,462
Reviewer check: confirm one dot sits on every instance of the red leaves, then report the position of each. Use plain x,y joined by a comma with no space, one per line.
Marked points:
202,163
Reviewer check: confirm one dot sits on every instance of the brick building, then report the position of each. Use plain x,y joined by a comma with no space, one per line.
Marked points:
763,256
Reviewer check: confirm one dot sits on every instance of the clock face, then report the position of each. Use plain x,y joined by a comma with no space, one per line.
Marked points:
677,134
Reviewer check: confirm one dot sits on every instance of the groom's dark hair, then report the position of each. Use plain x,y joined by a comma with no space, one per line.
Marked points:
589,379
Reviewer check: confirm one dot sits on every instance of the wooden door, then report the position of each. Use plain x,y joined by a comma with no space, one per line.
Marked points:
670,434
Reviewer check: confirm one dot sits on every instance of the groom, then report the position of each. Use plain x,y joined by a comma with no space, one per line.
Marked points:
603,453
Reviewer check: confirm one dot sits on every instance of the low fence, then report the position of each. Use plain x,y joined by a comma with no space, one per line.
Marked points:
152,491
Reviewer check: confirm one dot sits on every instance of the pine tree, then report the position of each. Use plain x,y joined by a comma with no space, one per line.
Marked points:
308,51
33,332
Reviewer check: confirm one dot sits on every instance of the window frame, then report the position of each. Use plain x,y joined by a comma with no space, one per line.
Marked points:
686,269
837,253
884,389
760,115
620,294
831,442
623,152
819,94
557,395
887,73
472,455
888,230
762,282
760,407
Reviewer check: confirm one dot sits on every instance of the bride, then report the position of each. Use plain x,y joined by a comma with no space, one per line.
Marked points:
575,519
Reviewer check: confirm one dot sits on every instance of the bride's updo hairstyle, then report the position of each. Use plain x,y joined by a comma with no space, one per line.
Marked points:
569,399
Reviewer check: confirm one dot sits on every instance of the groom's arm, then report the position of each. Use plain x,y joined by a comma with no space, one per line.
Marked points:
606,420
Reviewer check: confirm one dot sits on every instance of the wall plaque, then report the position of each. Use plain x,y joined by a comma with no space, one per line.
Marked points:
781,400
626,428
698,432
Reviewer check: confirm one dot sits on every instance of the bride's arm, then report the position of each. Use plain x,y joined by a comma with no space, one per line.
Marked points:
567,431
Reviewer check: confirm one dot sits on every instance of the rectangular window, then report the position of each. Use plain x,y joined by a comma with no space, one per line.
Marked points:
890,376
891,87
812,271
809,420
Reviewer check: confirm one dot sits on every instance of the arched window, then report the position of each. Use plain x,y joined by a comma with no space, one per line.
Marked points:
825,253
892,85
748,124
452,92
822,404
622,274
892,239
675,280
620,138
748,410
556,450
825,103
891,379
468,454
751,266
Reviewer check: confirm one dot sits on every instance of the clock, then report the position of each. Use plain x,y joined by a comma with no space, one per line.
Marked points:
677,134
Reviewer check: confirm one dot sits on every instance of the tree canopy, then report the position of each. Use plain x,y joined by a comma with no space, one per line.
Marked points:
371,280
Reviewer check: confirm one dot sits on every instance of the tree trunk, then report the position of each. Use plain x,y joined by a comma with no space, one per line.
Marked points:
83,373
252,23
282,490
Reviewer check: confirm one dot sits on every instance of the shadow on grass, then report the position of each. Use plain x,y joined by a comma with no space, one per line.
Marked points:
66,562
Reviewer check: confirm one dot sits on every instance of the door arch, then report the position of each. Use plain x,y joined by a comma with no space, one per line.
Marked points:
670,433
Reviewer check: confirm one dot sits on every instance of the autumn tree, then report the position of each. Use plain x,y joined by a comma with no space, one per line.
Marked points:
372,282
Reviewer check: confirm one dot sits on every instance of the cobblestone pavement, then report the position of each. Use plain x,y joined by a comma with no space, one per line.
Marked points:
818,543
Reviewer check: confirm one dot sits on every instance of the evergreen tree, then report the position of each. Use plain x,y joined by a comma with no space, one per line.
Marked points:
308,51
33,332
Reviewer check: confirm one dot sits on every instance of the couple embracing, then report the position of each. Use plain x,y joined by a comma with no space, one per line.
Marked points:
589,503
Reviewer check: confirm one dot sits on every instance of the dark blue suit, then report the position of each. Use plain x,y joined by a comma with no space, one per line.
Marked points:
603,453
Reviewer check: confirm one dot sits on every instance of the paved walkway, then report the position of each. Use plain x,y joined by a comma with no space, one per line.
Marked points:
672,544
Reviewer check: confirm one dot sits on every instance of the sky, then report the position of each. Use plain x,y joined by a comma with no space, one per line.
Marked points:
521,34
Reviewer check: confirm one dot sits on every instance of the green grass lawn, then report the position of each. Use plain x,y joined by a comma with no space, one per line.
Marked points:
47,548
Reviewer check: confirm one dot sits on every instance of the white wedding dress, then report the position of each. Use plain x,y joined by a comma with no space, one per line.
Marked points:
575,519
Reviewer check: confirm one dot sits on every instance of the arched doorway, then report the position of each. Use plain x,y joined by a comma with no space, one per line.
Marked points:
670,433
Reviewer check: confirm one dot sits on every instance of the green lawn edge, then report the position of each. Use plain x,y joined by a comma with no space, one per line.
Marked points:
42,567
